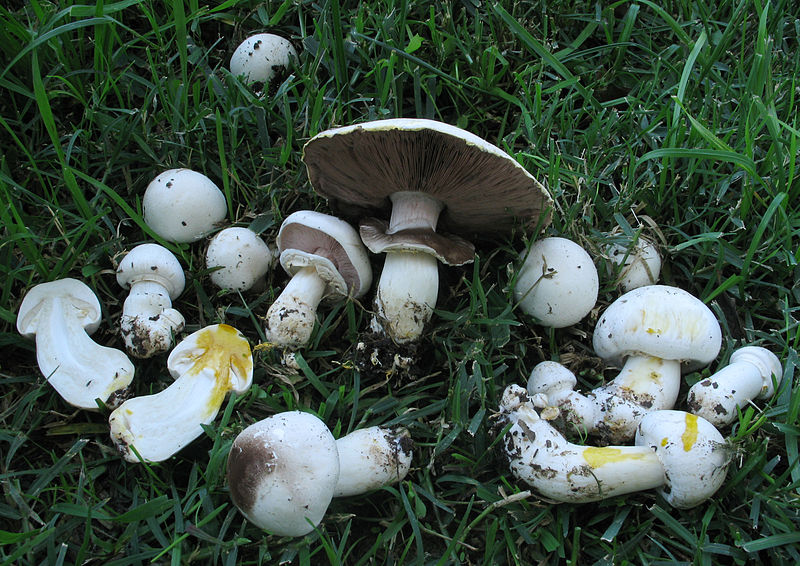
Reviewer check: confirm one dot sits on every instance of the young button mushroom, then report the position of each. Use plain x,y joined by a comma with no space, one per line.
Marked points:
680,454
557,283
206,365
748,376
326,261
284,470
239,258
257,57
61,315
638,264
155,279
182,205
430,173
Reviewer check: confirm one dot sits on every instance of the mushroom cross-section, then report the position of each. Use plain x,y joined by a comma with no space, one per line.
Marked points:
426,173
61,315
206,365
155,279
326,261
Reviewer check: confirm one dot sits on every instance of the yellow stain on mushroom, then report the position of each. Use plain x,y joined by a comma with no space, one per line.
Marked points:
597,457
689,435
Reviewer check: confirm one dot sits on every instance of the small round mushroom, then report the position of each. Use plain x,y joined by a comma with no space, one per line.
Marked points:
284,470
239,258
748,376
258,56
680,454
424,175
557,283
206,365
155,279
183,206
639,264
326,261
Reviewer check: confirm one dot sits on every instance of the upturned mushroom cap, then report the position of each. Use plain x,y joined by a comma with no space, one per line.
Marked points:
152,262
482,188
282,472
258,56
182,205
242,257
86,305
660,321
694,454
331,246
557,283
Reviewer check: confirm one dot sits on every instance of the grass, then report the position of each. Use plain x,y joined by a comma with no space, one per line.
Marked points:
676,120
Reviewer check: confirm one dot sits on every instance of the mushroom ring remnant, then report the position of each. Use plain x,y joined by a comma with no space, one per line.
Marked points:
421,173
61,315
206,365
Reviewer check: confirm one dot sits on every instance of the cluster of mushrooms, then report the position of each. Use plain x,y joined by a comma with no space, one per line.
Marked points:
419,189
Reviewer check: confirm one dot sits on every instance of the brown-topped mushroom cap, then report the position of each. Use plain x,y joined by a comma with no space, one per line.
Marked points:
481,187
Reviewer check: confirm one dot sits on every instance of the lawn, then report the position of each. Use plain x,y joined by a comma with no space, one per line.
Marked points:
676,121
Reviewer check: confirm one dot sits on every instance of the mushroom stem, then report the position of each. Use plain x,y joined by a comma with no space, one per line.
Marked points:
406,294
370,458
411,209
148,322
291,317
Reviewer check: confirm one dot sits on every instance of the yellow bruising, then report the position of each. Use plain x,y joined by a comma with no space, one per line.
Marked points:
657,318
597,457
689,436
226,352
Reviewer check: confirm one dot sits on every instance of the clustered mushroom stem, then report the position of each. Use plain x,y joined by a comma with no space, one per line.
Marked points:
290,319
412,209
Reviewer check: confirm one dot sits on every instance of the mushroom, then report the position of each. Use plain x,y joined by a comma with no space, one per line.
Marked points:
653,329
155,279
284,470
428,173
326,261
206,365
639,264
557,283
182,205
681,455
239,259
751,374
61,315
257,57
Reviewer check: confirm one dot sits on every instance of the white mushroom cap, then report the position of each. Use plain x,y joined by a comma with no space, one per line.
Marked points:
258,55
282,472
557,283
242,256
642,263
660,321
694,454
152,262
182,205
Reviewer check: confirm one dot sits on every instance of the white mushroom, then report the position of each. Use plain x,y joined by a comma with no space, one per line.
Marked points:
432,175
326,261
239,259
639,264
284,470
61,315
557,283
155,279
182,205
257,57
206,365
680,454
651,329
748,376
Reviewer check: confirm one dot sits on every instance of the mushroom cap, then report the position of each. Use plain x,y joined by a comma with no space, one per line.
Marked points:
642,263
282,472
258,55
87,305
693,452
331,246
550,377
220,349
482,188
661,321
152,262
182,205
242,256
767,364
557,283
